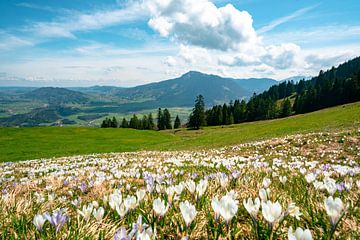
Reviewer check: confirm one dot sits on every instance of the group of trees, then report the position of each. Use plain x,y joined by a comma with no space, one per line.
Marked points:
144,123
336,86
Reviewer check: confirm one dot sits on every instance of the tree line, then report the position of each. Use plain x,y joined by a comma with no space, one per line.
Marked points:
334,87
146,122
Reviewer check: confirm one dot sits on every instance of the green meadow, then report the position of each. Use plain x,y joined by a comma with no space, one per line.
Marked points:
45,142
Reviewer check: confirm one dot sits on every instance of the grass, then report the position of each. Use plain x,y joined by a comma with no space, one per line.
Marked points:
45,142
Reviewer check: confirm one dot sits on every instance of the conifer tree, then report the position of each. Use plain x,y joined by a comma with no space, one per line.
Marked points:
160,120
197,117
167,119
177,122
124,123
151,122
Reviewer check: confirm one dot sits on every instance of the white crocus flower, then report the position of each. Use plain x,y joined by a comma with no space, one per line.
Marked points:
191,186
201,187
215,204
115,199
330,185
264,194
188,212
294,211
159,207
140,194
334,209
272,212
283,179
266,182
299,234
130,202
39,221
252,206
228,206
98,214
86,211
310,177
121,210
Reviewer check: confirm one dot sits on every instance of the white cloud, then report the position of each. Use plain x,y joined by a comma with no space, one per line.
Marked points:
201,23
9,41
170,61
282,56
69,25
285,19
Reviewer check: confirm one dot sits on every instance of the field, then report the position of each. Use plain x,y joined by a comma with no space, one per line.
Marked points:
46,142
259,190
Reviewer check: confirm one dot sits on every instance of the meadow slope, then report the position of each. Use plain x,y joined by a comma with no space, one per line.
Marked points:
45,142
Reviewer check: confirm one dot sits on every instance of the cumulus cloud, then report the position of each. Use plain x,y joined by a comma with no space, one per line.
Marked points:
201,23
170,61
281,56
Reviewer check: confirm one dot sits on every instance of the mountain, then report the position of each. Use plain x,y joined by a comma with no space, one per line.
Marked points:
56,96
180,92
295,79
256,85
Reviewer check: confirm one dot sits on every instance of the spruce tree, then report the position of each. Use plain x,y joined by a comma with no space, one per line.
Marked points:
124,123
197,117
177,122
134,122
144,123
151,124
167,119
286,108
160,120
114,123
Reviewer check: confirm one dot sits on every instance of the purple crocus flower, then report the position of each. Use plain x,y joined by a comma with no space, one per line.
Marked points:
121,235
57,219
150,183
340,186
83,187
138,227
66,182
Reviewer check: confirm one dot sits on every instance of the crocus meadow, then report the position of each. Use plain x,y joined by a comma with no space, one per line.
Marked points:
297,187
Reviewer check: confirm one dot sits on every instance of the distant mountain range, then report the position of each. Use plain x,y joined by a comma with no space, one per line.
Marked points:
47,105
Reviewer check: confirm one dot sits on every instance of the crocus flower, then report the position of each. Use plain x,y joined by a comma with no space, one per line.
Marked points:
121,210
140,194
310,177
121,235
272,212
159,207
294,211
283,179
334,209
115,199
228,207
201,187
39,221
188,212
191,186
299,234
252,207
264,194
130,202
86,211
266,182
98,214
215,204
57,219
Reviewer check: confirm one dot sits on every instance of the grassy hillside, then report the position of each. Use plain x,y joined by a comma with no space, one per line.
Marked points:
29,143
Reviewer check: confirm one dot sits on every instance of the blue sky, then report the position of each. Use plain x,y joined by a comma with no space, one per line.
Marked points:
127,43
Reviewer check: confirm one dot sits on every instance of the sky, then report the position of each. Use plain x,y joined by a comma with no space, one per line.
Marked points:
133,42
